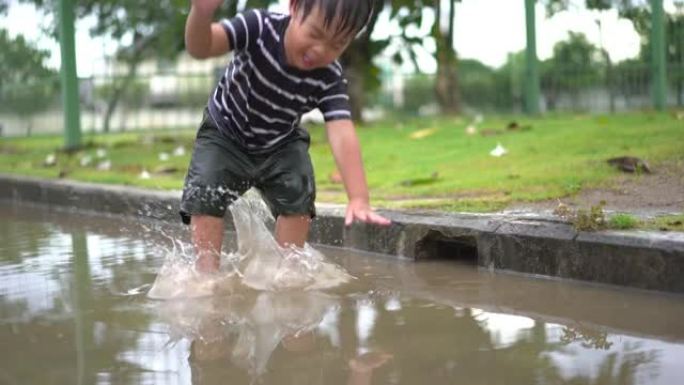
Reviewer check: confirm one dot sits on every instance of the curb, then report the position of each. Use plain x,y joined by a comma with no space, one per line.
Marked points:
639,259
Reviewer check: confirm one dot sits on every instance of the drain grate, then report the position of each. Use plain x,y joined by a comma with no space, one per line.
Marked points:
437,246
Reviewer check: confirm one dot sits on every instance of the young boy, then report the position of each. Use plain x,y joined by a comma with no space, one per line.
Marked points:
283,66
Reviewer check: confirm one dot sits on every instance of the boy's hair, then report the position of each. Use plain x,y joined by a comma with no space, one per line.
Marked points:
350,17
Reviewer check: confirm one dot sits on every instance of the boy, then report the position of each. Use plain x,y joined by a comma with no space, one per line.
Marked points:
250,136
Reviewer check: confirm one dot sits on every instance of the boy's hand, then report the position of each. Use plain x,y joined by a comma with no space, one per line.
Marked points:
360,209
206,7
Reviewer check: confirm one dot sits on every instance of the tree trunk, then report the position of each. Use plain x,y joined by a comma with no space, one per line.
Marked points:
357,61
119,90
139,45
446,81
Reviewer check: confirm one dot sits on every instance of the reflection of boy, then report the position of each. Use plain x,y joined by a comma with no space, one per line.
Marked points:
250,137
362,367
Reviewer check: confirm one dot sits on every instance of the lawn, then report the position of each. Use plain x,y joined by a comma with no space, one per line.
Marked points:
424,163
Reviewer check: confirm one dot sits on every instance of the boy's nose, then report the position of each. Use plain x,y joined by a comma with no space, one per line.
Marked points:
321,53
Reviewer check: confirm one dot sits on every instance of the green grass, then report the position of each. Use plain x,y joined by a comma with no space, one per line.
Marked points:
664,223
449,169
623,222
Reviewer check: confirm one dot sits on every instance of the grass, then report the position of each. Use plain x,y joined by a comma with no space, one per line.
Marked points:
664,223
623,222
443,169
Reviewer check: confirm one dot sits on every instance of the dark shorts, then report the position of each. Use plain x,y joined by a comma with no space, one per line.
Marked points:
221,170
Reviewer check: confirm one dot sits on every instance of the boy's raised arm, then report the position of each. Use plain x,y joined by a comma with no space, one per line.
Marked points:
204,39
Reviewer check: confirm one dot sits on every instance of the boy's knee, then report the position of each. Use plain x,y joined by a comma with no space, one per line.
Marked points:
292,195
296,186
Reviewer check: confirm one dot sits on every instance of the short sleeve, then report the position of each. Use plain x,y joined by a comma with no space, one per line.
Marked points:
334,102
243,29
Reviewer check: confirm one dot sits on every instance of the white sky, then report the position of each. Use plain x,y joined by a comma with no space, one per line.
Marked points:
486,30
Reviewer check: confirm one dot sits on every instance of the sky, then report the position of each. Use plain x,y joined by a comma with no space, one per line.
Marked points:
486,30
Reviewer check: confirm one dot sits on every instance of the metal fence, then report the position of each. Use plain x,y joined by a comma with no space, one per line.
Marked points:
174,100
579,76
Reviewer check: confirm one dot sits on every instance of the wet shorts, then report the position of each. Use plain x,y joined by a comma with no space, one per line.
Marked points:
221,170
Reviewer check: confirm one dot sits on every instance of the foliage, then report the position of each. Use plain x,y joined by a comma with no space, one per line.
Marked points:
624,7
590,220
665,223
135,94
479,85
640,14
582,219
576,64
588,338
26,85
418,91
623,222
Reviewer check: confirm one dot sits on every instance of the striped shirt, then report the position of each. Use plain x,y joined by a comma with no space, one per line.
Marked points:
260,99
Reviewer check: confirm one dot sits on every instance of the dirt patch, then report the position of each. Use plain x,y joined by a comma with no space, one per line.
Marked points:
10,150
659,192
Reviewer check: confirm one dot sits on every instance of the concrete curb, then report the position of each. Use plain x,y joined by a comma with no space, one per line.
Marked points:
645,260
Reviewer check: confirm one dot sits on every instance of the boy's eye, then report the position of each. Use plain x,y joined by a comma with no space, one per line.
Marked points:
316,34
340,44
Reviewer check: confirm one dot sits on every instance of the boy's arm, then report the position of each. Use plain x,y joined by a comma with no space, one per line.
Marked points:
347,152
204,39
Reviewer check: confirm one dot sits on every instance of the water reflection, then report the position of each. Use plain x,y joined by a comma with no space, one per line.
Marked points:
72,298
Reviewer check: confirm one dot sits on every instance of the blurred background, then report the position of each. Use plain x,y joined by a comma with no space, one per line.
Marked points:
420,58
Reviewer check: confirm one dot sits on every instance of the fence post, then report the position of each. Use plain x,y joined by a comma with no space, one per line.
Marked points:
531,67
659,91
72,120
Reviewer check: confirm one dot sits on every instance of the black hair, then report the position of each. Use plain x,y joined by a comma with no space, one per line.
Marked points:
350,17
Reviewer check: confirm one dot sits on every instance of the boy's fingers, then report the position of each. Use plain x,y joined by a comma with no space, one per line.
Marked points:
378,219
349,217
365,216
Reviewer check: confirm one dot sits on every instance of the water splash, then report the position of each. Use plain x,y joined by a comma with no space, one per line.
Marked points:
259,262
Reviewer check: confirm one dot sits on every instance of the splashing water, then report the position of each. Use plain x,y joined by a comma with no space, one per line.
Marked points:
259,262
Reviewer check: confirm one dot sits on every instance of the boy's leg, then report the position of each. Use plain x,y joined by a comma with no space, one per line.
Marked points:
207,236
292,230
217,175
288,187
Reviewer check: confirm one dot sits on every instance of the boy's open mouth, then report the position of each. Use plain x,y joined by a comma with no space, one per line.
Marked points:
308,63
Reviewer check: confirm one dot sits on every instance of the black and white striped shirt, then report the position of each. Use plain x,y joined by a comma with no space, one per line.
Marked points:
259,99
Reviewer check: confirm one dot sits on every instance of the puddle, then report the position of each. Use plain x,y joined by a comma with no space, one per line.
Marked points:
73,297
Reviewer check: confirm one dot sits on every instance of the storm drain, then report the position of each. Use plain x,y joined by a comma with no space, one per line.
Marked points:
437,246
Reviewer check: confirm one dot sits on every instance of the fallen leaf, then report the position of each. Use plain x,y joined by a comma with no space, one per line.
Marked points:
420,134
420,181
165,170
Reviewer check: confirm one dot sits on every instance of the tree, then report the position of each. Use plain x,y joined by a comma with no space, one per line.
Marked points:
674,48
478,84
26,84
639,13
155,30
363,74
576,64
446,81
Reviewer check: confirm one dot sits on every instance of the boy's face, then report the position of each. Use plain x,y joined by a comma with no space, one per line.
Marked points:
309,45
